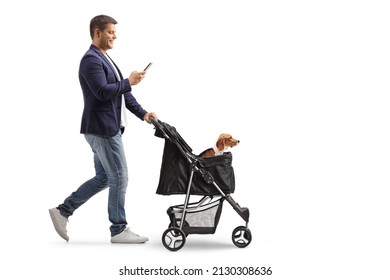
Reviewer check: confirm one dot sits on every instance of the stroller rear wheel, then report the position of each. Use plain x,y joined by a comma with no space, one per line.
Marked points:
241,236
173,239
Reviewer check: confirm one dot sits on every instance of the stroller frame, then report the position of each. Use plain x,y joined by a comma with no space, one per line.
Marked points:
209,206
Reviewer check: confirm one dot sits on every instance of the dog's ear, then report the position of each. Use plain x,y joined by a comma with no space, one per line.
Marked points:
221,141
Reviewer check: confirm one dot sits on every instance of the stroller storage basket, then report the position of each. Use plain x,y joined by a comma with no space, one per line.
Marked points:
176,170
200,219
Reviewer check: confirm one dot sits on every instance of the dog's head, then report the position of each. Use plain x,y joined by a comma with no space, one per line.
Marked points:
225,141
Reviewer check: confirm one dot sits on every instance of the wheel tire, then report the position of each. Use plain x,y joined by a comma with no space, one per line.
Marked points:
241,236
173,239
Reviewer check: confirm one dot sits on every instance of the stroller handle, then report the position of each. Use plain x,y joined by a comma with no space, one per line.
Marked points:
164,130
159,127
153,121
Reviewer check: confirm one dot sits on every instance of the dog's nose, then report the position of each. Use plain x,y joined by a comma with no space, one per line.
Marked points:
238,141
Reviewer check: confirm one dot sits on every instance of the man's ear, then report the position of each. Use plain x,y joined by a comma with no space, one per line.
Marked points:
97,33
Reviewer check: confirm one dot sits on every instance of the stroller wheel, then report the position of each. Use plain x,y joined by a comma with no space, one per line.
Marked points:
241,236
173,239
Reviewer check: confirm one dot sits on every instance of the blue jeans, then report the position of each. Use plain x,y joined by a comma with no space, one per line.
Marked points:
111,171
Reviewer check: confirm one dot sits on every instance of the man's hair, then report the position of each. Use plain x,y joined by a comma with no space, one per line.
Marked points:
99,22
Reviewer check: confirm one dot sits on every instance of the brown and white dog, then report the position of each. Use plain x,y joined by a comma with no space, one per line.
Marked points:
223,143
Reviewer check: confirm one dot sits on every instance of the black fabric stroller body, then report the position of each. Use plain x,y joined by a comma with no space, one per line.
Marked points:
182,172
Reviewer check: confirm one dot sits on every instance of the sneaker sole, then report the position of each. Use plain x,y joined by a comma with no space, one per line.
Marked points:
129,242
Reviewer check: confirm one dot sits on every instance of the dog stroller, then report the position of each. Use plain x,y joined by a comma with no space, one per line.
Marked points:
212,178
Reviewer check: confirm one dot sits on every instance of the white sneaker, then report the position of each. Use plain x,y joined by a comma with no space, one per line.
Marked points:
127,236
59,223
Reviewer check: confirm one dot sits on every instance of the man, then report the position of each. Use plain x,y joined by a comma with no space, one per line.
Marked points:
106,96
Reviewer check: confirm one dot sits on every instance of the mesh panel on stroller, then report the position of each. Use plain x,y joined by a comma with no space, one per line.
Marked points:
199,218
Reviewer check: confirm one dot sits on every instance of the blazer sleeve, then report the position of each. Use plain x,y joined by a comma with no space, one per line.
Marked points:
100,80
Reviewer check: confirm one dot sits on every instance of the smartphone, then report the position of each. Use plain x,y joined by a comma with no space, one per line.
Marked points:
147,67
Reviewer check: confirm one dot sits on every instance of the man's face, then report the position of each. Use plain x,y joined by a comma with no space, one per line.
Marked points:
106,37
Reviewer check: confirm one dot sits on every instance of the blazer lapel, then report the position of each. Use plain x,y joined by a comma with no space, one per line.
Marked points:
108,62
119,72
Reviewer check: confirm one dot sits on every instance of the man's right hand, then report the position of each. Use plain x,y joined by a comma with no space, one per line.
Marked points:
136,77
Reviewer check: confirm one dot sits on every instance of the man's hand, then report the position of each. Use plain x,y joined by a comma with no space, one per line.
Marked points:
149,115
136,77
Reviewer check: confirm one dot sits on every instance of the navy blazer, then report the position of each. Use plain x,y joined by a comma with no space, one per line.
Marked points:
102,93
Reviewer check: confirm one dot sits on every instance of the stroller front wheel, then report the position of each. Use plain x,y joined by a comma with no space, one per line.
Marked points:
173,239
241,236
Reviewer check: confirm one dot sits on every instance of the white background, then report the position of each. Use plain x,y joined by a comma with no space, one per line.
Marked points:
303,84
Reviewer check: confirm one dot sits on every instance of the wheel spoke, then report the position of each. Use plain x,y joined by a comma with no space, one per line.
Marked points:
240,237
